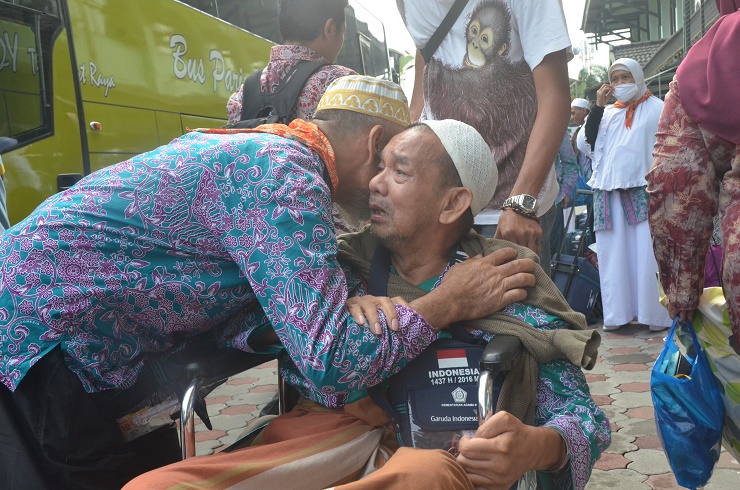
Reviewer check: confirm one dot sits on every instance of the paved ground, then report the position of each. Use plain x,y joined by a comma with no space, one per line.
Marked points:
619,384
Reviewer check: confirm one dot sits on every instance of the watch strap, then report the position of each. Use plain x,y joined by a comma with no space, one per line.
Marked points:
519,210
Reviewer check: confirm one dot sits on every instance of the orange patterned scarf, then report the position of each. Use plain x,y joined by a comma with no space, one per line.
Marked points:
631,107
306,133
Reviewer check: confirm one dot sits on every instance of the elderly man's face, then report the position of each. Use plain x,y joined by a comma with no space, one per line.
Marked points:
578,115
405,194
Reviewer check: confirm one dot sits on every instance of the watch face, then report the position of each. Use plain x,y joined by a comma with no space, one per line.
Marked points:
528,202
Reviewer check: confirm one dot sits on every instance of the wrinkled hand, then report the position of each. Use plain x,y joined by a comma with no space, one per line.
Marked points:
481,286
504,448
519,229
364,310
603,94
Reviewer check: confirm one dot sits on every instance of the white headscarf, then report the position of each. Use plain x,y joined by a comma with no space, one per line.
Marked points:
623,156
632,66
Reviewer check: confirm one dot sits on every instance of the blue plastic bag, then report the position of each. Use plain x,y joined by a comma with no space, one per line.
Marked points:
688,411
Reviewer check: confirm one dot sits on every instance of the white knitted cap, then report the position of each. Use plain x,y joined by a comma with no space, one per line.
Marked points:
582,103
472,158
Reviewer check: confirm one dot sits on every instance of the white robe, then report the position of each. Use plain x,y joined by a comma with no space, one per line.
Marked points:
627,266
628,272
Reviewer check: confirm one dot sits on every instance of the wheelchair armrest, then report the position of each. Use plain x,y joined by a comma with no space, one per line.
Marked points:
500,353
497,359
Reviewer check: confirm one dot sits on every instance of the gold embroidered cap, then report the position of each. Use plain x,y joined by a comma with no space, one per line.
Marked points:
367,95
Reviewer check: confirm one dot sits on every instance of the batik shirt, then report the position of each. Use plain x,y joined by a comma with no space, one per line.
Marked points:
684,195
282,60
564,403
566,169
213,231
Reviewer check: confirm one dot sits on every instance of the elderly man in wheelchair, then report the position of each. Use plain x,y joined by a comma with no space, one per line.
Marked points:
427,426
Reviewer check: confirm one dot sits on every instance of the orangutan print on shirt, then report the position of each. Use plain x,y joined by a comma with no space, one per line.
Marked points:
481,73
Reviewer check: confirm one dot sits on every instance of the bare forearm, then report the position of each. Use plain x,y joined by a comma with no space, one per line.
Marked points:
416,106
438,312
553,113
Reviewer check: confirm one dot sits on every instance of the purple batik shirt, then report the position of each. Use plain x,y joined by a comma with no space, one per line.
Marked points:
224,232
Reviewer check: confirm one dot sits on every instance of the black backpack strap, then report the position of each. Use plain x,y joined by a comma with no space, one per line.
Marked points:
380,269
252,98
444,28
281,103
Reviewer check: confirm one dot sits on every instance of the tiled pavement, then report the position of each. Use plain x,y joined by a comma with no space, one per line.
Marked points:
620,384
232,405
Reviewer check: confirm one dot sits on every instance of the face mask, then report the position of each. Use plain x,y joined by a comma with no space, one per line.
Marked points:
626,92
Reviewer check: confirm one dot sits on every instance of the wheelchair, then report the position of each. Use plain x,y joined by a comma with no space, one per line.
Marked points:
208,367
173,386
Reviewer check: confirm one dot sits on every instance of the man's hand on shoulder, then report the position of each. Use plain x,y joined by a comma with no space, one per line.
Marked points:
364,310
477,288
519,229
504,448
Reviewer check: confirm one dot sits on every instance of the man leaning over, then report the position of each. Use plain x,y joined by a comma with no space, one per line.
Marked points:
421,211
230,233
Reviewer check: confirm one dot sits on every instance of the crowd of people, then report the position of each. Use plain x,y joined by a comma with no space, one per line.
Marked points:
455,196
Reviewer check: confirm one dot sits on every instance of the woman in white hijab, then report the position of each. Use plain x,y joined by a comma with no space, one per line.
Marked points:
622,136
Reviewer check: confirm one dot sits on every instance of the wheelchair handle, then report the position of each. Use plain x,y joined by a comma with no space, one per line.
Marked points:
500,353
498,356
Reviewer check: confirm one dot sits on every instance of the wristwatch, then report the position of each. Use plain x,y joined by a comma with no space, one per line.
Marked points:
523,204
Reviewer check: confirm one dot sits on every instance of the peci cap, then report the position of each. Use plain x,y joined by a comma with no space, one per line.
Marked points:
367,95
582,103
472,158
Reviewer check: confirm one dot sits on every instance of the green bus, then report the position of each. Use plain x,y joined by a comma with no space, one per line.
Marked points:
88,83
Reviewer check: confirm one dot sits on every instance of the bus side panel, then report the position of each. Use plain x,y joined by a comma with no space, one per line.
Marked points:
156,56
123,129
195,122
169,127
31,171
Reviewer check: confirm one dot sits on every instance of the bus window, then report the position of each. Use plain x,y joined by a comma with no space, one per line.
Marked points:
45,6
257,16
207,6
25,101
364,48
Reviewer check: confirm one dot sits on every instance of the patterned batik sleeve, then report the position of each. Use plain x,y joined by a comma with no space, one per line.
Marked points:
279,232
682,202
569,169
234,106
315,87
564,403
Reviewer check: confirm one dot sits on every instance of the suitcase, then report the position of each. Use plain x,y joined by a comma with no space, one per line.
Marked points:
575,276
573,240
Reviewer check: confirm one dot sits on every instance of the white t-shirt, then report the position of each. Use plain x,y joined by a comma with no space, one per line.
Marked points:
481,74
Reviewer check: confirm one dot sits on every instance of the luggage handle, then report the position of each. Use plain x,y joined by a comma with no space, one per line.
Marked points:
589,216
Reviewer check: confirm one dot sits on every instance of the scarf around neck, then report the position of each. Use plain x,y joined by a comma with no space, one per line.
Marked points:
631,108
305,133
577,344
